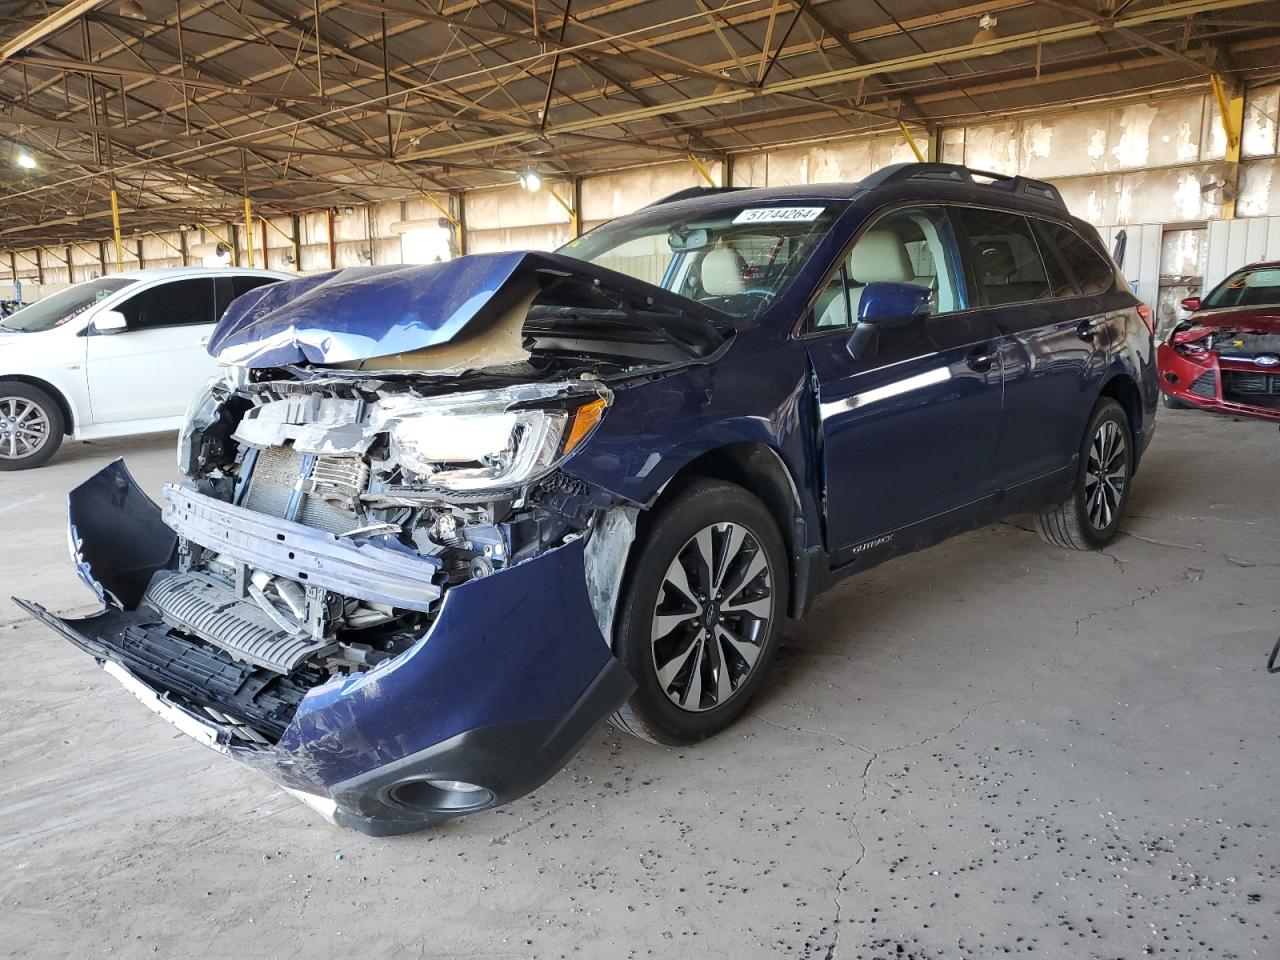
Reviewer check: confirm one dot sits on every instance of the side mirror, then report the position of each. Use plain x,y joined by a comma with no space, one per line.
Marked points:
1191,303
889,304
110,321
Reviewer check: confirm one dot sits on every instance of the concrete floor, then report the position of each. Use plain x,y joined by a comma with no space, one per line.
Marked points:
991,748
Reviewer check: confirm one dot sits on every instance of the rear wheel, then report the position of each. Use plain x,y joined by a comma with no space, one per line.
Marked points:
701,614
1090,517
31,426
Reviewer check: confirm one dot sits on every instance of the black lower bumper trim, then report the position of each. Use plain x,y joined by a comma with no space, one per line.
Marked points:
507,761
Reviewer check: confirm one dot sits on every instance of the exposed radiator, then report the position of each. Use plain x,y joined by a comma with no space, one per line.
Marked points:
327,494
200,606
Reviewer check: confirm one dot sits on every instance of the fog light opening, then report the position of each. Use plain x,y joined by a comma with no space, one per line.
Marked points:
440,795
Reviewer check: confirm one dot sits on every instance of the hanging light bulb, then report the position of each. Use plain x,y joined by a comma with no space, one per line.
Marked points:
132,9
25,160
986,30
531,181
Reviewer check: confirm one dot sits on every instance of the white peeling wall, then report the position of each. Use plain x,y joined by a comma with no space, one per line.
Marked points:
821,163
1133,163
615,194
512,218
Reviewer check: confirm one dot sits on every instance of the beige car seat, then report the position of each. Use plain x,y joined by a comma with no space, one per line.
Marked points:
721,271
878,257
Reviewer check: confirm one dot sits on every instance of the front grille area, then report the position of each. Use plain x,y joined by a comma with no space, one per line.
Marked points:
1255,389
1205,386
1236,381
328,488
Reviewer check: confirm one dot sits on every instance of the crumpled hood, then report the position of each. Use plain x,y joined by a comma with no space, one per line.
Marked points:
363,313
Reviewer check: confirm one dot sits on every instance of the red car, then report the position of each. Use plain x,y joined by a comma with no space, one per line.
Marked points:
1226,355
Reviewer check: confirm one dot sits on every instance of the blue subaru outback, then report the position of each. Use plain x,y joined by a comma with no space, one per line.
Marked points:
436,523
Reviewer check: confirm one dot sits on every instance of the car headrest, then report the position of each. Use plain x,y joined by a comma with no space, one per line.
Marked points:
995,259
880,257
721,270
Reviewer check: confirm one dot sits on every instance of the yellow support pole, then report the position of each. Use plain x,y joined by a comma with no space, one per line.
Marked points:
444,211
911,141
1231,113
115,226
573,214
165,242
287,236
248,231
703,171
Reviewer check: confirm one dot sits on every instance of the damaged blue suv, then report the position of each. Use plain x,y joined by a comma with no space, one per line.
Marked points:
439,522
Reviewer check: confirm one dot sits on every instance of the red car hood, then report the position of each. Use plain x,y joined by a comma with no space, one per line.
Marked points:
1259,319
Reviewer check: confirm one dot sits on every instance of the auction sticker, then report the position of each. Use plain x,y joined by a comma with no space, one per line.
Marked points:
779,215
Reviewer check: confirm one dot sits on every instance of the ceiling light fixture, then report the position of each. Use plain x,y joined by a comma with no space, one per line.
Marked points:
986,30
25,160
531,181
132,9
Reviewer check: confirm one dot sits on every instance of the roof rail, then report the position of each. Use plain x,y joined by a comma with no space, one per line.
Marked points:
1025,187
688,193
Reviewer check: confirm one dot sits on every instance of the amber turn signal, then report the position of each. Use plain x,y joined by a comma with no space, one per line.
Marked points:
584,418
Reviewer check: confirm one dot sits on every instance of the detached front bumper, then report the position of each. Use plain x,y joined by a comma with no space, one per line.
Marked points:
509,681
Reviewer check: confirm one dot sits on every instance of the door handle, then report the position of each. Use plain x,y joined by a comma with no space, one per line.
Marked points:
1088,329
981,358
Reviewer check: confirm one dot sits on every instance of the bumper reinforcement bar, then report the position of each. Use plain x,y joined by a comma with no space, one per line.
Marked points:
310,556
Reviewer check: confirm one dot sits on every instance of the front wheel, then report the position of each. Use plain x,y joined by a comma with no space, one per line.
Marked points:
701,613
31,426
1090,516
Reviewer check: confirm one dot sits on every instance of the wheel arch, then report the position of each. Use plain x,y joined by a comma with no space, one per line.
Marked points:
64,406
760,470
1123,389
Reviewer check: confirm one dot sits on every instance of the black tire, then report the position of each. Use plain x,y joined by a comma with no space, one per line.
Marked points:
1076,522
34,406
727,515
1173,403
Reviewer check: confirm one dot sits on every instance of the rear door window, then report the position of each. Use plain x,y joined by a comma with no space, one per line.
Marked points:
1004,256
1094,273
178,303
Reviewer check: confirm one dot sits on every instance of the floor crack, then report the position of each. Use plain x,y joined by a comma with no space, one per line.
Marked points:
835,923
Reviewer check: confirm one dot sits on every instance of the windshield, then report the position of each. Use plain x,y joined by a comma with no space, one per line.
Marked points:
1259,287
57,309
737,258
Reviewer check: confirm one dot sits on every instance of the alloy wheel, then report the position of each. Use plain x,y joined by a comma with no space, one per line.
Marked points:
712,616
24,428
1105,474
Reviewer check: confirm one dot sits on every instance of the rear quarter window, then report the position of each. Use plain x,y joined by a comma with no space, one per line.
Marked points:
1094,273
1004,256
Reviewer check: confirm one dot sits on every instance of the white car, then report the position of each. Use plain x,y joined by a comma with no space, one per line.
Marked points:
110,357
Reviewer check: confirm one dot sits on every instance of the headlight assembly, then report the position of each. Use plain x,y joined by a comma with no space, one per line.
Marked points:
488,440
